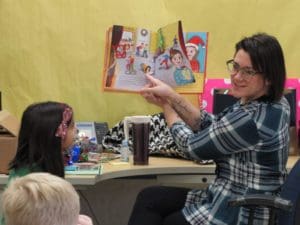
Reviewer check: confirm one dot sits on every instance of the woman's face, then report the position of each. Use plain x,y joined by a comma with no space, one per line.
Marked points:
247,87
70,136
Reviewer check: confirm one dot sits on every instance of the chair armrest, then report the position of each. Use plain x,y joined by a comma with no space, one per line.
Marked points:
260,200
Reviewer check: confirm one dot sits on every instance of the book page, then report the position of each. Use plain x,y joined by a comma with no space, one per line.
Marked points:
133,52
128,58
196,48
170,60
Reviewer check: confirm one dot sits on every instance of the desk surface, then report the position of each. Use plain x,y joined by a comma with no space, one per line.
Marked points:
157,166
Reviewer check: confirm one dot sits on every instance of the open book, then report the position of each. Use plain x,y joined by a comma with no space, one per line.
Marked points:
133,52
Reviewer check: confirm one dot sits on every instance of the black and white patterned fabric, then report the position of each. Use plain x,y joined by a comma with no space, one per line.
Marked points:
161,142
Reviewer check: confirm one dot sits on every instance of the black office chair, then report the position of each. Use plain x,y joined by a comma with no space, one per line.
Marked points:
284,210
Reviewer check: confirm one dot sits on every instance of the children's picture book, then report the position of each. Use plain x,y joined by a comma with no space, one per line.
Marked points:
133,52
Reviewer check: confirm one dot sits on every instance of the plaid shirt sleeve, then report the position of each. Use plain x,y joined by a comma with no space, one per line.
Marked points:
238,128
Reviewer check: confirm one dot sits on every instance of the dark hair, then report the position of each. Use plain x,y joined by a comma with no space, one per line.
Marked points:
37,144
173,52
266,57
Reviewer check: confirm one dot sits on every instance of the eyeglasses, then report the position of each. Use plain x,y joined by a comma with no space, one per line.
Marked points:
234,68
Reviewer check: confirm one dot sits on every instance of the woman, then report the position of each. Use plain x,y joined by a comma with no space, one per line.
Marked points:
248,141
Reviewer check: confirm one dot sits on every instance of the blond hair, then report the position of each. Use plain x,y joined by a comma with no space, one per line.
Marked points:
40,199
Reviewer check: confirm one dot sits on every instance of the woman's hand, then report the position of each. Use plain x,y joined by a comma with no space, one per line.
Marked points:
173,104
156,91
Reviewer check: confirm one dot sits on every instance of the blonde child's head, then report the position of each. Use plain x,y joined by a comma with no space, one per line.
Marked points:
40,199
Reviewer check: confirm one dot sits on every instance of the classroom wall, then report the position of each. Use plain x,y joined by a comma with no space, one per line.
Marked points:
54,50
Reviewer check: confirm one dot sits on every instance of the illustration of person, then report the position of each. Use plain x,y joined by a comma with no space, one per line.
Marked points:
145,51
121,51
130,65
192,50
182,74
139,49
145,68
164,61
128,46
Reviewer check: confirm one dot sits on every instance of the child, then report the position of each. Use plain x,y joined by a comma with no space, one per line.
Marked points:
182,75
42,199
47,128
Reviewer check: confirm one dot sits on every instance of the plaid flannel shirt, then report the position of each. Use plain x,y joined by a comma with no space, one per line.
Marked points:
249,144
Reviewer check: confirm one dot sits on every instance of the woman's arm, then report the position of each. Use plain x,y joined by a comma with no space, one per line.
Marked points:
225,136
170,115
185,110
161,94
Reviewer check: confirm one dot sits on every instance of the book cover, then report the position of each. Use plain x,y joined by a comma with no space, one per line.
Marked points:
133,52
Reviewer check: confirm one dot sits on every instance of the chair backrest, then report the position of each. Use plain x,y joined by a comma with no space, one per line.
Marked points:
291,191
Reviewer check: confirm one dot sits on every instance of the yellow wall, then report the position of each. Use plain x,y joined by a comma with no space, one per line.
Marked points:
53,49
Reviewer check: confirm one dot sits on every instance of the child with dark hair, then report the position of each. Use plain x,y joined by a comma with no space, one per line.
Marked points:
46,130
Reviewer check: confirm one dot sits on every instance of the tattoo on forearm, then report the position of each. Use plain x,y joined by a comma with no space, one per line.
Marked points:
180,107
185,112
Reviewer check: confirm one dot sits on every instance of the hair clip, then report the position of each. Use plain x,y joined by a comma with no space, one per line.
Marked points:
63,127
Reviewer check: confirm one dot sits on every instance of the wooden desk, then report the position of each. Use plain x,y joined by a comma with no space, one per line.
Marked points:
112,198
157,166
164,168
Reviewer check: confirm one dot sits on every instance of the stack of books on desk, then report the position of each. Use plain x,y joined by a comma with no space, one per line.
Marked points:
83,169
